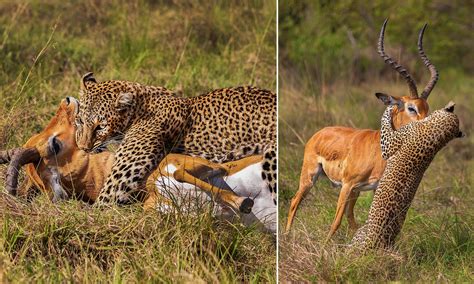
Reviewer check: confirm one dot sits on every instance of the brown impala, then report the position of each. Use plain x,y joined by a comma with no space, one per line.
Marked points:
351,158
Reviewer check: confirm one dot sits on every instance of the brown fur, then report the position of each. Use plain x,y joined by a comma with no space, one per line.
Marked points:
80,172
351,157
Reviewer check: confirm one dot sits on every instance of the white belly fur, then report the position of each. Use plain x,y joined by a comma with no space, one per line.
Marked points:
247,183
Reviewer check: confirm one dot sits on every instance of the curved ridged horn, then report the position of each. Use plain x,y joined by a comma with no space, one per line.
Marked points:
6,156
18,158
399,68
434,73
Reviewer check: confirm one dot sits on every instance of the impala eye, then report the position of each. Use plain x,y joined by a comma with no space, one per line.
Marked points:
55,145
411,109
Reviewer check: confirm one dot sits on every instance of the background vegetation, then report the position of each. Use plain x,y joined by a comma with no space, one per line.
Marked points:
189,46
329,72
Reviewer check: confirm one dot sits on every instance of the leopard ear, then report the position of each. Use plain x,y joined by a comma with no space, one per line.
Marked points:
450,106
124,101
87,81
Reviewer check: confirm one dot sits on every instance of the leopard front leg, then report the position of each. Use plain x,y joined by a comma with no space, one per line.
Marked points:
137,156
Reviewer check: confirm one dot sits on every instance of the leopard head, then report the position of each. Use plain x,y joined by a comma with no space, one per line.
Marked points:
104,112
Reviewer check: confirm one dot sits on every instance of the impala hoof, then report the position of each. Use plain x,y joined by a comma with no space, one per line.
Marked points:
246,206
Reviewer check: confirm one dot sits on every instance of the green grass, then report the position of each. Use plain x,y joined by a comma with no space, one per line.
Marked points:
188,46
192,47
73,242
436,242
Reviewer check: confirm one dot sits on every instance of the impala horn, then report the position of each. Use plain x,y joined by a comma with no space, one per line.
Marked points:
17,158
434,73
399,68
6,156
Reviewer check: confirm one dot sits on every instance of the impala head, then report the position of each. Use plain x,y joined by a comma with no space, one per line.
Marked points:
57,139
413,106
52,145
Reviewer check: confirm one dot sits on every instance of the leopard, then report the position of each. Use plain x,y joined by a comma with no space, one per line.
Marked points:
148,122
409,151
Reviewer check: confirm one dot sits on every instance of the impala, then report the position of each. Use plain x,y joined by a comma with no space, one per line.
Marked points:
351,158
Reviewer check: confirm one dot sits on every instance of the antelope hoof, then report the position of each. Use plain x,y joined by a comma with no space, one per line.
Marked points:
246,206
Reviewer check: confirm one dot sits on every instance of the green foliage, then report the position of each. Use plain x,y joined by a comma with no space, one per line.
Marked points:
337,39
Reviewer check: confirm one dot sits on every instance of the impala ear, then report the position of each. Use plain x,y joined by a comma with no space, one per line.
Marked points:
390,100
124,101
87,81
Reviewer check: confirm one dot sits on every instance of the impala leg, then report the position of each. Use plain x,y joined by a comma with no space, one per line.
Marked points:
350,209
153,199
35,180
310,172
242,204
150,202
341,206
236,166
